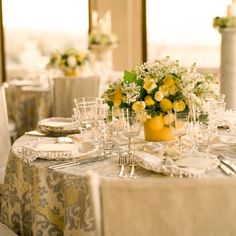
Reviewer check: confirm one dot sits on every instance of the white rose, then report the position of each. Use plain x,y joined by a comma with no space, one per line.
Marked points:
71,60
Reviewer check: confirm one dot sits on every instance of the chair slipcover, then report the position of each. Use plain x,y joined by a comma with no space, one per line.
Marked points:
65,90
5,231
163,207
5,142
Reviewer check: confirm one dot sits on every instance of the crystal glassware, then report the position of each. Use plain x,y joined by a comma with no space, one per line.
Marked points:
131,127
85,112
178,125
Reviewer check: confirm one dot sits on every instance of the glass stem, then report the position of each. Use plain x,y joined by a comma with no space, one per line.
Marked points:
130,149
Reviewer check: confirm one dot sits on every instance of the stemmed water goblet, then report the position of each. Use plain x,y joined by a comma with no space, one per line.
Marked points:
178,124
85,112
131,124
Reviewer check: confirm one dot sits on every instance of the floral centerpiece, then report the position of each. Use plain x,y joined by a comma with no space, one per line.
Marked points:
101,34
71,62
97,38
159,87
224,22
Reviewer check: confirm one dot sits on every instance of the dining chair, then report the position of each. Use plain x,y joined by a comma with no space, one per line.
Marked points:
5,231
11,122
65,90
5,141
162,206
5,145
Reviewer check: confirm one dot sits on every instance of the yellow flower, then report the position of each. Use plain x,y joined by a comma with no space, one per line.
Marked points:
164,89
173,89
80,57
168,118
179,106
149,84
149,101
158,96
169,80
117,97
165,105
139,106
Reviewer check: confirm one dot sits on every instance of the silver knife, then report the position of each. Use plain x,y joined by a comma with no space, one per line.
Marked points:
227,162
74,163
226,169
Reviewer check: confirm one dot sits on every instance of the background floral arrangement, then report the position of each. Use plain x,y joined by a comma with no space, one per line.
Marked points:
102,39
69,62
224,22
161,86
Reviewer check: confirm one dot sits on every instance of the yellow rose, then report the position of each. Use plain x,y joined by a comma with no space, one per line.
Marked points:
179,106
149,101
80,57
158,96
149,84
169,80
165,105
139,106
173,89
117,97
168,118
164,89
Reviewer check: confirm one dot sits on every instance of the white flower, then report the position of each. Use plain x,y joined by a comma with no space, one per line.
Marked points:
71,60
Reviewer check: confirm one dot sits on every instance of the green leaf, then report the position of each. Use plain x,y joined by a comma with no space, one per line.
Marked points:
129,76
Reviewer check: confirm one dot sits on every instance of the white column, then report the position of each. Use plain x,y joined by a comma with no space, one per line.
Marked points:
126,23
228,66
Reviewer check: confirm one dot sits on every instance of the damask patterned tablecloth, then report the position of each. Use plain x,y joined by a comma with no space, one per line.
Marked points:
39,201
27,104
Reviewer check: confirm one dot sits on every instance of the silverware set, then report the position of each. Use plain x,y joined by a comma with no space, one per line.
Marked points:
74,163
227,166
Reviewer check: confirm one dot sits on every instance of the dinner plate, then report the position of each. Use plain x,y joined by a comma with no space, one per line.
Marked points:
57,126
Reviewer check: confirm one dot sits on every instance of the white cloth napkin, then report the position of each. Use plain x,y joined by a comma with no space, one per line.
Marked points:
55,147
191,166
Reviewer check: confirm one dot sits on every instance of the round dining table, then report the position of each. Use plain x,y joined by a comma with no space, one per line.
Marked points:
37,200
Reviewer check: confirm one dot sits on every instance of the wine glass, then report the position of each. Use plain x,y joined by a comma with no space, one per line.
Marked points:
179,124
131,123
85,112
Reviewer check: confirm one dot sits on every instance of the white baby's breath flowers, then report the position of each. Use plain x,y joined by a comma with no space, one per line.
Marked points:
131,91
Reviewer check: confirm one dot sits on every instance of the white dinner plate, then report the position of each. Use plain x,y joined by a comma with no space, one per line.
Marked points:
58,125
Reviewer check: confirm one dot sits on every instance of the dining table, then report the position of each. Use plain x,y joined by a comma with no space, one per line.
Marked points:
37,200
28,101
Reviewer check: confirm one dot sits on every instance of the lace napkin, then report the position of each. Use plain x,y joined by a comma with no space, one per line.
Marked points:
58,151
191,166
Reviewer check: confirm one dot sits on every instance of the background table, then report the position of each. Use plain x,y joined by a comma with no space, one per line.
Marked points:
27,103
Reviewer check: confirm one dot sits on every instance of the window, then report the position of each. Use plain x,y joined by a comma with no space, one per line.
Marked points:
183,30
35,28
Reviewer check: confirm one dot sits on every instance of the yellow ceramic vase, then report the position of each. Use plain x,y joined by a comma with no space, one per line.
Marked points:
155,130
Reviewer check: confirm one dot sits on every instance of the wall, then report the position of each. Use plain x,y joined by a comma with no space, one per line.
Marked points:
127,25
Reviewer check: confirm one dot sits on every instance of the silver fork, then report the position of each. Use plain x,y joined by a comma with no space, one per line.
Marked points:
133,164
122,163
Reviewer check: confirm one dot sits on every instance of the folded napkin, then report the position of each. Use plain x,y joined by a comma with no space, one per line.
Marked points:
34,133
224,139
192,166
56,147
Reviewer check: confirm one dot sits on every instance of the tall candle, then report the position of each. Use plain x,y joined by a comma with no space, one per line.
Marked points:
108,20
94,19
